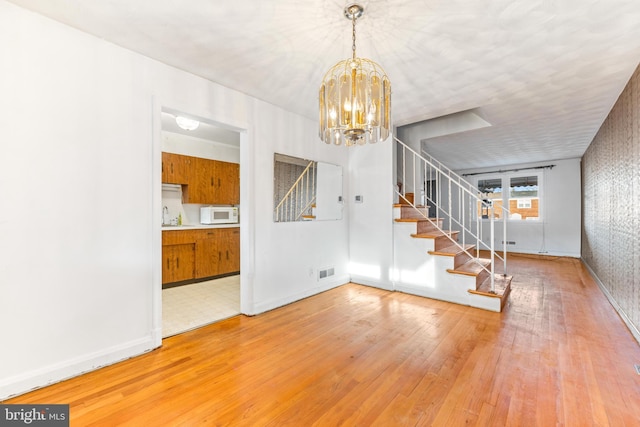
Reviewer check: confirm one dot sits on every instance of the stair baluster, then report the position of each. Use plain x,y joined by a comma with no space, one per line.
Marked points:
436,178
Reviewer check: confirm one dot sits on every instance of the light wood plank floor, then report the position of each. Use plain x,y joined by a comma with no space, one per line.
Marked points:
558,355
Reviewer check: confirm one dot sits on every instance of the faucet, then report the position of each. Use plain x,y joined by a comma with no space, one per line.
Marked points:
165,215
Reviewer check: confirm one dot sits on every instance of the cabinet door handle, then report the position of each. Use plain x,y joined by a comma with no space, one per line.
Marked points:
168,264
227,255
218,182
171,167
162,167
212,184
178,263
219,256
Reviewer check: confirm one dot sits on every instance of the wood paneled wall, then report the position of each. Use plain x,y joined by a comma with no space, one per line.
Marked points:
611,203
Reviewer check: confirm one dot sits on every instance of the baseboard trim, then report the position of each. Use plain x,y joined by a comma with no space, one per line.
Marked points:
623,315
366,281
38,378
323,286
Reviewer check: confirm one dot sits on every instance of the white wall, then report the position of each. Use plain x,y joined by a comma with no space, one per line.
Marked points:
80,192
288,255
559,232
371,222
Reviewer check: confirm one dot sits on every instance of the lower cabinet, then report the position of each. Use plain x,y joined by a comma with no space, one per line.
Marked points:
207,255
218,252
231,237
195,254
178,263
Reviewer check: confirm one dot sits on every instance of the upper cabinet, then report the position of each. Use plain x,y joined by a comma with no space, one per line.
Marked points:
228,175
175,168
208,181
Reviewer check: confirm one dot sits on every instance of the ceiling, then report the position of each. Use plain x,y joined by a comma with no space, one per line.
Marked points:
543,73
205,130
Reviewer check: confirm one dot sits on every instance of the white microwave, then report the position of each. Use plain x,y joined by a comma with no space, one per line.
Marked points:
218,215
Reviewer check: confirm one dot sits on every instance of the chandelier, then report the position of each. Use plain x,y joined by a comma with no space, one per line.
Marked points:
355,97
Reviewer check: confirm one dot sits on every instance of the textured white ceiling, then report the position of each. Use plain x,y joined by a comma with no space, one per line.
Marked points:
544,73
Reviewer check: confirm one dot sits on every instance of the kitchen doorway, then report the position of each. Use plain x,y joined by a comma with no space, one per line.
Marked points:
191,299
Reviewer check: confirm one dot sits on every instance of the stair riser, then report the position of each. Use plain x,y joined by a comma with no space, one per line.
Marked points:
409,212
481,277
426,227
407,199
460,259
441,242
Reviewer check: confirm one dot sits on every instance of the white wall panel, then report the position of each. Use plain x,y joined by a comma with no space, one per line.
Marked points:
371,221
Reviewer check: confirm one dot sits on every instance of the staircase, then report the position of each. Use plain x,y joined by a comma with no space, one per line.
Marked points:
298,204
446,255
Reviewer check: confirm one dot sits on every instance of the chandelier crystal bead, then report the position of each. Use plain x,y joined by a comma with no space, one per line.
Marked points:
355,98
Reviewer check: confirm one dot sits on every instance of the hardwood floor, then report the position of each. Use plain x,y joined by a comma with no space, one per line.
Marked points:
558,355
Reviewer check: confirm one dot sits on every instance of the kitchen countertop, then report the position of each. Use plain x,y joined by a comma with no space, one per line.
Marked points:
197,226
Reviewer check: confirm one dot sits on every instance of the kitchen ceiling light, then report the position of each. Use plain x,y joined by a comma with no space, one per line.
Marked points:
355,97
186,123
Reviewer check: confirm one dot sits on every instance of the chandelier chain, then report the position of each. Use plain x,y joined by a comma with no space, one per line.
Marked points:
353,35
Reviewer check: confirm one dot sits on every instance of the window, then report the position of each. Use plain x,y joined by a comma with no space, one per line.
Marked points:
524,203
522,199
491,194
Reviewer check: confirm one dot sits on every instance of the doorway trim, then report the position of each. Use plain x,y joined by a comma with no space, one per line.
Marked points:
246,207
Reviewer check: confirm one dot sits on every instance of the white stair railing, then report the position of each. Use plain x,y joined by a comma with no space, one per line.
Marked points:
453,201
300,197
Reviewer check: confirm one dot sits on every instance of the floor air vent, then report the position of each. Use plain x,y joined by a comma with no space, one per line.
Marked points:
323,274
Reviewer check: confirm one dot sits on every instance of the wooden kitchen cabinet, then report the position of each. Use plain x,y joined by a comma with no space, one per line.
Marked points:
218,252
215,182
177,263
228,175
230,252
207,254
204,182
199,253
176,168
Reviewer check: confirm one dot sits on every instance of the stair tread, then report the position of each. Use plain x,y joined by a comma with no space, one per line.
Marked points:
414,219
472,267
434,234
502,286
452,250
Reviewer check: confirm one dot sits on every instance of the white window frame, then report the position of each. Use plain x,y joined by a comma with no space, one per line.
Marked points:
506,185
488,177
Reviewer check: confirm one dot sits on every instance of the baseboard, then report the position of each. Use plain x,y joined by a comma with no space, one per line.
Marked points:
363,280
538,255
42,377
630,325
323,285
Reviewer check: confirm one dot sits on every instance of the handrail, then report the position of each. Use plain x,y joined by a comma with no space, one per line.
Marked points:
299,198
429,170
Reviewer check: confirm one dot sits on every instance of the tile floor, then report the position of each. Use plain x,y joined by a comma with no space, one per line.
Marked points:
192,306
